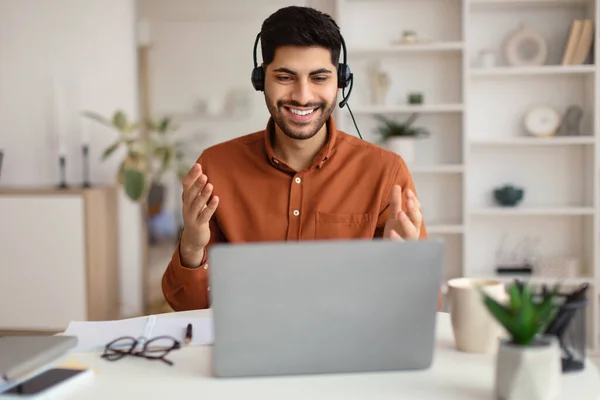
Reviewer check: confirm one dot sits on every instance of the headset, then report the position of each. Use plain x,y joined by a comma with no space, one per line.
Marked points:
345,78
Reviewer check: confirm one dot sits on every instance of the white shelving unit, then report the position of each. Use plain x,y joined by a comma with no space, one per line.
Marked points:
475,116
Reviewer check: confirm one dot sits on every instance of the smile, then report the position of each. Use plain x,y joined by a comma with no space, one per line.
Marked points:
300,116
301,112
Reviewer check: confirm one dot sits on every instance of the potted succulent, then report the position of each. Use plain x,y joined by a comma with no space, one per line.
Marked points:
150,152
528,362
400,137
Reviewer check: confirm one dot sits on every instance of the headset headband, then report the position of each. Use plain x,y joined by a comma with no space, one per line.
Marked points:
258,38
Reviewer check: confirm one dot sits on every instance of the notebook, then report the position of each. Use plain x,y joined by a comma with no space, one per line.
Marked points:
95,335
22,354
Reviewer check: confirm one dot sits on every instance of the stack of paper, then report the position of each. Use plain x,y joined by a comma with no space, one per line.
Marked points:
95,335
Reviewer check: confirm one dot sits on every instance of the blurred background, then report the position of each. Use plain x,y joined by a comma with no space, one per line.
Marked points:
492,103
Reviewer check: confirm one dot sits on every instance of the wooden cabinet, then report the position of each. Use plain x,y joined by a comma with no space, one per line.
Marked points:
58,257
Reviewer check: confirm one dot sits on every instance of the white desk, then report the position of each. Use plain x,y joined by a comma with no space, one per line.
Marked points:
454,375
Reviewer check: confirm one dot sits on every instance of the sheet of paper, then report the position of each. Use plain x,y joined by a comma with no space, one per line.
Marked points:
95,335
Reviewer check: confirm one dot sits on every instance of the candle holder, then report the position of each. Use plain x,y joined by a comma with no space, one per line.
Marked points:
63,176
86,166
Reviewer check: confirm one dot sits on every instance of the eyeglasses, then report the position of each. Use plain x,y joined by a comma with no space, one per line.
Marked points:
154,349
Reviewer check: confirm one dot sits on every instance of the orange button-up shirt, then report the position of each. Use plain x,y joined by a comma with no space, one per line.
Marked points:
344,194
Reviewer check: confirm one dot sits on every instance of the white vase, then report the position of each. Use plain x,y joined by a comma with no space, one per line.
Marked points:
528,372
404,146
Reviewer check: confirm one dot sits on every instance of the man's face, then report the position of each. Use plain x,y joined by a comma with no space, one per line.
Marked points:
301,89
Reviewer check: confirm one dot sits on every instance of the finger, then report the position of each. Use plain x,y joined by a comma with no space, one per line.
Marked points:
409,229
195,190
414,213
191,176
395,236
197,204
209,210
412,196
395,201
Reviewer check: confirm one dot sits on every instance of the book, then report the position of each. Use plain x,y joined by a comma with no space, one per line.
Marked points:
572,42
584,43
95,335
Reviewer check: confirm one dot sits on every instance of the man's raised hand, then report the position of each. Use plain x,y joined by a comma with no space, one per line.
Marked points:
197,209
403,225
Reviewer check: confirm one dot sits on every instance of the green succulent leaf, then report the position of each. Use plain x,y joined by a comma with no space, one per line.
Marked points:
134,183
523,317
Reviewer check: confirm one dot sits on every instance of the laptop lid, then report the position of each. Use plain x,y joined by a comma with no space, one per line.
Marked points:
310,307
23,354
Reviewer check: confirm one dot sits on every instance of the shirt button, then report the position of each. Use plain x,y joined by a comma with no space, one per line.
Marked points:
298,180
296,213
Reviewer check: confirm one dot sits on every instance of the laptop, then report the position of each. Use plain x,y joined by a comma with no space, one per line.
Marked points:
317,307
23,354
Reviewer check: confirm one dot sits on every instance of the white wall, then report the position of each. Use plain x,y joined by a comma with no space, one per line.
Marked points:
91,44
202,49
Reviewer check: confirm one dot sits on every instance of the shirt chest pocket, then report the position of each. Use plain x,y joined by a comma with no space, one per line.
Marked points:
342,226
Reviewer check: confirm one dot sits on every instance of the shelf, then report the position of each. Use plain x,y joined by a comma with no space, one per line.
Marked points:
479,141
533,141
437,169
445,229
430,47
534,279
531,211
408,108
507,71
508,4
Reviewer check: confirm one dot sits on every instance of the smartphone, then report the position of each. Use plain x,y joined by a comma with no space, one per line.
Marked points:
48,384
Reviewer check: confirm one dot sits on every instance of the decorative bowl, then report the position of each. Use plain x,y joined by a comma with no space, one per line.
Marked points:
508,195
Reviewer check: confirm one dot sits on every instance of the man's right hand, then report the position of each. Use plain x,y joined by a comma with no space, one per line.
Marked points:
197,211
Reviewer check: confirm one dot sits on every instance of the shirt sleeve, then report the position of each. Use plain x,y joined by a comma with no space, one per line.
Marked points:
188,288
401,176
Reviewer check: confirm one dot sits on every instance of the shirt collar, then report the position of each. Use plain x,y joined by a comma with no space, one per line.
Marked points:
321,157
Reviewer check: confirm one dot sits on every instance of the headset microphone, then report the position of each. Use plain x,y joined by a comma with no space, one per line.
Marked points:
345,78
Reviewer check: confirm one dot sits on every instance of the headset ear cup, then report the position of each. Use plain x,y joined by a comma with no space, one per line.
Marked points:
258,78
344,75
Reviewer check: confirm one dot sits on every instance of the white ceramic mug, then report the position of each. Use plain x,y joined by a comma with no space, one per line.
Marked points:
475,329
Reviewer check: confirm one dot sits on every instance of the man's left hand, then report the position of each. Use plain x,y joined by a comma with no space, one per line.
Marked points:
403,225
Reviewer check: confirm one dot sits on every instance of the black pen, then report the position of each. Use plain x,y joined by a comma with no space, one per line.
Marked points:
188,334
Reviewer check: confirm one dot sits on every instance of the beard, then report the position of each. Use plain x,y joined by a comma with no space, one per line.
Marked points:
296,129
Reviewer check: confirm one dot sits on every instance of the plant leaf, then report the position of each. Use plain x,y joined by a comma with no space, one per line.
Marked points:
525,318
120,120
164,125
500,312
515,297
110,149
98,118
134,183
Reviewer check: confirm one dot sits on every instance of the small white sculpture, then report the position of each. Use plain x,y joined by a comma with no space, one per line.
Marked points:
380,83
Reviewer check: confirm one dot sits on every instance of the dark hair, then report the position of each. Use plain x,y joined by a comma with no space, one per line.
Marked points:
300,26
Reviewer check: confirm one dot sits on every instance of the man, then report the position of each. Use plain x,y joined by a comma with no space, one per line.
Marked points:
300,178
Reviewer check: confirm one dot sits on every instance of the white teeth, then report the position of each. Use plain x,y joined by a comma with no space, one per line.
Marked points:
300,112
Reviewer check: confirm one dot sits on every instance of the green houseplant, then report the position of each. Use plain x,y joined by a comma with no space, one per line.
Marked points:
528,363
150,152
393,129
400,137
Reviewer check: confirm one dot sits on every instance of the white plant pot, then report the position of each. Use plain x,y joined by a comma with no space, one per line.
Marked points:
528,372
404,146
